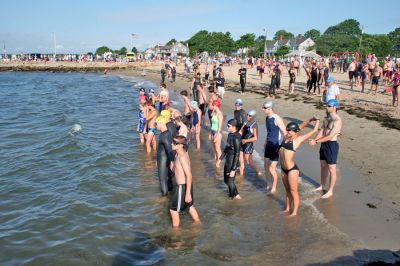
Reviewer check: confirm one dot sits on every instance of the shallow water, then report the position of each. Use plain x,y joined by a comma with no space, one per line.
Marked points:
92,197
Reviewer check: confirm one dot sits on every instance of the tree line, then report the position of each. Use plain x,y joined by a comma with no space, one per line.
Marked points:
346,36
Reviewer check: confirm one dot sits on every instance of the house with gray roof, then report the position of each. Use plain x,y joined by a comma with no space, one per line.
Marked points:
298,45
176,50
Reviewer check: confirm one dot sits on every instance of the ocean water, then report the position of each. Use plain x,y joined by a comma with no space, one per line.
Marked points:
91,197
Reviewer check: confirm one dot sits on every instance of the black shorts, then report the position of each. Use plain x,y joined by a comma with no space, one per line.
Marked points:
178,199
375,80
248,148
206,76
187,121
202,108
258,68
272,152
329,152
351,75
261,70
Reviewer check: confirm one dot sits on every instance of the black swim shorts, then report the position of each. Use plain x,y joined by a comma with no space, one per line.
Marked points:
329,152
178,199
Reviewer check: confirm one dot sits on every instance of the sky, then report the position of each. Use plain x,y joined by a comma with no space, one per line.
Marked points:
82,26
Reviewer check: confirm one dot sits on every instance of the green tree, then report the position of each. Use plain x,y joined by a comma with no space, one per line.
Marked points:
395,39
171,42
313,34
247,40
198,42
103,49
379,44
134,50
349,27
122,51
284,34
328,44
283,50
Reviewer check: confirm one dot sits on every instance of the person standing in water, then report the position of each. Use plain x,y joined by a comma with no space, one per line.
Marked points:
328,153
275,132
165,156
249,133
239,114
182,199
290,171
215,136
232,154
150,115
195,82
196,122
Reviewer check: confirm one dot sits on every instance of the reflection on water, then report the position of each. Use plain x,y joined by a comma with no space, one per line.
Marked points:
93,198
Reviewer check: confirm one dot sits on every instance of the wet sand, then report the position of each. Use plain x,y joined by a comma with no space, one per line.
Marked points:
365,180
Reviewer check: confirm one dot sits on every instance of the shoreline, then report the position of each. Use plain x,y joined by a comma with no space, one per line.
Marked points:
351,178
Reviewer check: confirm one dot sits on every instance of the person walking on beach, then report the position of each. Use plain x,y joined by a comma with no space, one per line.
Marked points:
376,75
274,74
212,95
313,78
215,136
173,73
195,82
275,132
352,71
202,102
249,132
221,85
290,171
292,78
332,90
150,116
232,154
165,156
163,72
182,199
242,78
329,150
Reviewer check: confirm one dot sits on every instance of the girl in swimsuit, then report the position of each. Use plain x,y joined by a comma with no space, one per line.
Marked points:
196,122
290,171
215,132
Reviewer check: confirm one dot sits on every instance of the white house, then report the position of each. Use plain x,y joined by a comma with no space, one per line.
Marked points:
298,45
176,50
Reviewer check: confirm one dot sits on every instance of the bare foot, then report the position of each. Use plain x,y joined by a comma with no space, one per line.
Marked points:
284,211
237,197
327,195
318,189
273,191
293,214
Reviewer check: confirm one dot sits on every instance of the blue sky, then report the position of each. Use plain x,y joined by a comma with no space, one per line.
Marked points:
82,26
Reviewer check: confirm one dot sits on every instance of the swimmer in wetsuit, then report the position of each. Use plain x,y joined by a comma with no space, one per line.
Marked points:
232,154
249,133
165,156
290,171
182,199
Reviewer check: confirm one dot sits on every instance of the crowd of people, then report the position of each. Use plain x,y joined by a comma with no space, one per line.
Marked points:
201,112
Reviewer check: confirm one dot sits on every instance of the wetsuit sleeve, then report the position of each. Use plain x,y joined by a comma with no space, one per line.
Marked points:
168,149
236,155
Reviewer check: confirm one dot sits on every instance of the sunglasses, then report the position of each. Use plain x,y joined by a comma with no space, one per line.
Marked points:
228,125
265,108
329,106
288,130
249,115
176,143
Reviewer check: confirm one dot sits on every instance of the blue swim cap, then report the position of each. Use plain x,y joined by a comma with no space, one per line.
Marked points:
330,79
333,102
238,102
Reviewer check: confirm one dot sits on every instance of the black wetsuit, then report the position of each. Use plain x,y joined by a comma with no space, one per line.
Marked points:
163,72
171,128
242,75
164,158
314,78
195,91
232,153
173,74
240,116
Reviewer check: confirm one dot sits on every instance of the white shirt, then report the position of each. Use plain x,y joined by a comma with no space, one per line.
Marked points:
331,92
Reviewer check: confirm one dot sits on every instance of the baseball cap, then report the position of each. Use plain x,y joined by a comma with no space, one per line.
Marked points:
331,79
333,102
268,104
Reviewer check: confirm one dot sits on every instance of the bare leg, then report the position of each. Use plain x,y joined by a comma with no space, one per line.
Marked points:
332,171
212,145
267,162
249,160
274,174
293,184
324,175
149,140
218,152
195,216
241,162
289,198
175,218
